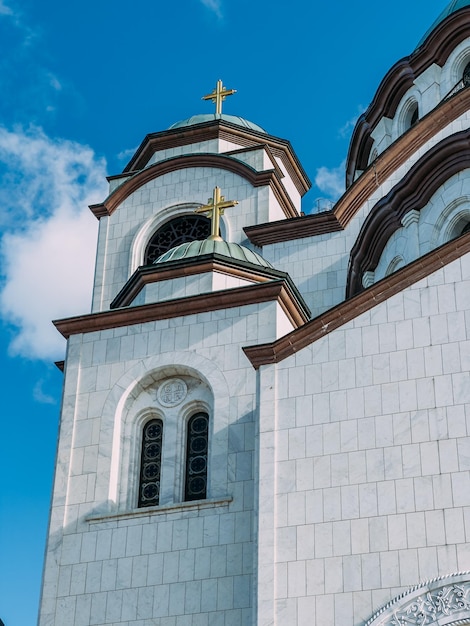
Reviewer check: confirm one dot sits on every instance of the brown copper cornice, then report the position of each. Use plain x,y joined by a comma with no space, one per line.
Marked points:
257,179
414,191
191,266
276,290
359,192
436,49
294,228
220,129
317,328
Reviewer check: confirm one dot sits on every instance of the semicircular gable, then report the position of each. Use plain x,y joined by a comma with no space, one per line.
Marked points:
444,600
436,49
177,163
414,191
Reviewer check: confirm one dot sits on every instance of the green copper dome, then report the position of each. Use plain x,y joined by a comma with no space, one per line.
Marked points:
452,7
210,117
193,249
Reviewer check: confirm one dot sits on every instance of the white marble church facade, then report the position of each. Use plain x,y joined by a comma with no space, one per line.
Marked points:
274,428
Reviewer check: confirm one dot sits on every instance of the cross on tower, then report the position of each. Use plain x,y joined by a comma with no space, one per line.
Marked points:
214,208
218,96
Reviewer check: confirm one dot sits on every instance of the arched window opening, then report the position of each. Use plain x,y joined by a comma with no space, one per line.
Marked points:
197,447
466,76
465,229
414,116
175,232
150,463
395,264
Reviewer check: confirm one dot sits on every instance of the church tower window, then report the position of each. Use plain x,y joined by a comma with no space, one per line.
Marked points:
150,463
178,230
196,457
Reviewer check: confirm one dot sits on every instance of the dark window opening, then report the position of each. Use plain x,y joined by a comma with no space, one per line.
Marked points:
466,75
414,116
150,463
175,232
465,229
196,457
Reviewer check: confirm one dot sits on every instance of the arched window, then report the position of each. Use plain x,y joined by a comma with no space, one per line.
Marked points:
150,463
466,76
178,230
197,447
465,229
414,116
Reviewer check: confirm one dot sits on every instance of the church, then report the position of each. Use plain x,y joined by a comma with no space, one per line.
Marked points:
266,415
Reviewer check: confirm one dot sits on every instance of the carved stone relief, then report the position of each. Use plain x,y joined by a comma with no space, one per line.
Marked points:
440,601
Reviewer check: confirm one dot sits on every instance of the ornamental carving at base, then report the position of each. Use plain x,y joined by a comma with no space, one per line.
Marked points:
441,601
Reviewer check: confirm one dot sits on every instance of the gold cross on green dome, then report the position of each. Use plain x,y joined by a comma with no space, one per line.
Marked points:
214,208
218,96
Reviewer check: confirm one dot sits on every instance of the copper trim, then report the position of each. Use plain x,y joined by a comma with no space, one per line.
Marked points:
257,179
276,351
238,297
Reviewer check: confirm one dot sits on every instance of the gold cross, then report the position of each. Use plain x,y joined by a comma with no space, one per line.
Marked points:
218,96
215,207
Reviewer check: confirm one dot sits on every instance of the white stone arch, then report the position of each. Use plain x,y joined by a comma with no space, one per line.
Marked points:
125,411
451,221
396,253
154,222
441,601
410,103
395,264
453,68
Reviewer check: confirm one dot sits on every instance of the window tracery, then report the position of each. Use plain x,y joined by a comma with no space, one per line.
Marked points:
197,447
150,463
179,230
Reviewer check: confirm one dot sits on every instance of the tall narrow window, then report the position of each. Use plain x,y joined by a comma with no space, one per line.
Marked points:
196,457
150,463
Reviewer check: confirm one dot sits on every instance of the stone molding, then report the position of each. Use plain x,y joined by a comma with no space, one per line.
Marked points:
276,290
412,217
177,507
412,193
444,600
226,131
214,262
269,178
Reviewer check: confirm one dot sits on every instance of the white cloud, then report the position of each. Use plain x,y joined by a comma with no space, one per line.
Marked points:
48,248
125,155
346,130
330,181
214,5
40,395
4,9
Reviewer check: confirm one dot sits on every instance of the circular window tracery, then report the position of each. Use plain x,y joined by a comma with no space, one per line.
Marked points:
179,230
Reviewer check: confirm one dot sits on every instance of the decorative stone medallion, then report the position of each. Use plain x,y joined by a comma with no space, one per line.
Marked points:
172,392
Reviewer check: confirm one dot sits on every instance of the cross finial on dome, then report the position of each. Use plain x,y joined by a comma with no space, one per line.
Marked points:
218,96
214,208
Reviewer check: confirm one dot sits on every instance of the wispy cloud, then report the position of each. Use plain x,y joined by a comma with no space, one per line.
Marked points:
50,235
330,181
347,128
214,5
4,9
40,395
125,155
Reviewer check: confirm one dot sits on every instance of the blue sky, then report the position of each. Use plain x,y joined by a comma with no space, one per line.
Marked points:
81,84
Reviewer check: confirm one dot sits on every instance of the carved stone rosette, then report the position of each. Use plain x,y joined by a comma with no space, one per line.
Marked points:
442,601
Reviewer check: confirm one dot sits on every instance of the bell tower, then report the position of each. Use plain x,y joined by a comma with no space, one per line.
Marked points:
154,514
